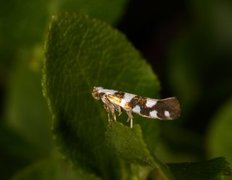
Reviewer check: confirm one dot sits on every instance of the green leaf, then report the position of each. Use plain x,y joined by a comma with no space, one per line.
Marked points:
22,24
14,148
27,112
214,169
53,169
81,53
128,144
219,136
109,11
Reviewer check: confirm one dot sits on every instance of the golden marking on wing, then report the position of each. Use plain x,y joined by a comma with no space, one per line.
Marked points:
114,99
127,106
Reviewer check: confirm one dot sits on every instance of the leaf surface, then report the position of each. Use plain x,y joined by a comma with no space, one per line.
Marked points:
82,53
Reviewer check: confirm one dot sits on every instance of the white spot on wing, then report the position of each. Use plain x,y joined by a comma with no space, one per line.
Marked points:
126,99
153,114
136,109
167,114
108,91
150,102
105,91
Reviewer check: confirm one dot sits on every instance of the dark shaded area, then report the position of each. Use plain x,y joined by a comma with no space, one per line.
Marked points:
15,152
202,170
154,26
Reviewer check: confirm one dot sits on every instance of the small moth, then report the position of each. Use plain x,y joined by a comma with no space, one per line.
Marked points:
113,100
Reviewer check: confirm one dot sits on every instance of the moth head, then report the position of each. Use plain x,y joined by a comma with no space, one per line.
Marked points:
96,92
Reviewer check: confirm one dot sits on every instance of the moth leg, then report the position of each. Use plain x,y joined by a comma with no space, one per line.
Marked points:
118,108
130,118
113,112
110,109
108,112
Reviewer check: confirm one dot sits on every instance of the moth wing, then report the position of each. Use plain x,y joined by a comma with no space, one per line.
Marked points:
119,101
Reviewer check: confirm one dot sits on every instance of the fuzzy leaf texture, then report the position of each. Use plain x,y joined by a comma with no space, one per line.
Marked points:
81,53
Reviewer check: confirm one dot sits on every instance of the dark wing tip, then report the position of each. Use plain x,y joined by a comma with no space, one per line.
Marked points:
173,106
168,108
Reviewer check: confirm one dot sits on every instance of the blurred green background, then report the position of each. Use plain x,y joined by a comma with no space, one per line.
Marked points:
187,43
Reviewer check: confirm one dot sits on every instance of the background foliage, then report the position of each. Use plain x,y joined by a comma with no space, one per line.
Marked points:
187,45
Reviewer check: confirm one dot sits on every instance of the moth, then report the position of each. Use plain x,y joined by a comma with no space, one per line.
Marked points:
113,100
